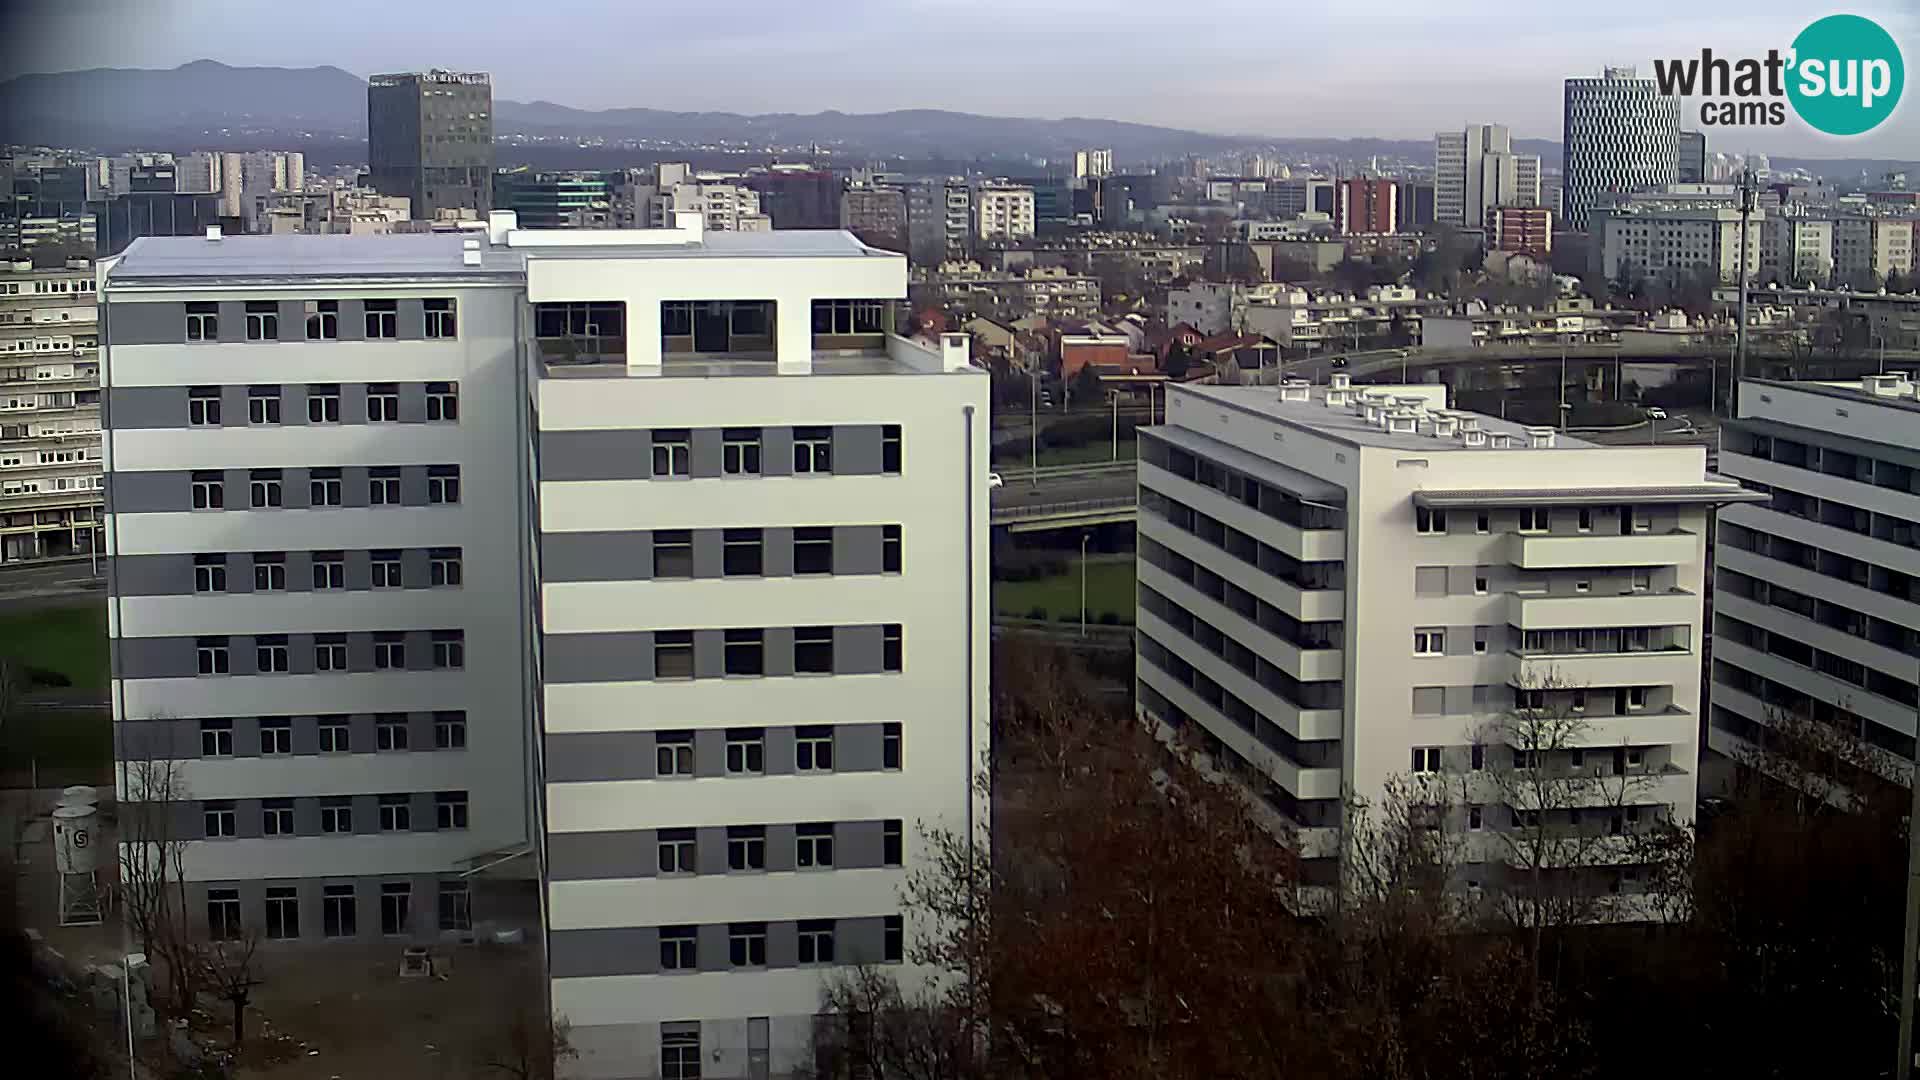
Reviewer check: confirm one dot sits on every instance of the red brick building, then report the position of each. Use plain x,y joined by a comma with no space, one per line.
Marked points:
1366,206
1527,230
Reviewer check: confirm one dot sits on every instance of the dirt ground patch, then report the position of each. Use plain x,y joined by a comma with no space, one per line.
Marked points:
348,1006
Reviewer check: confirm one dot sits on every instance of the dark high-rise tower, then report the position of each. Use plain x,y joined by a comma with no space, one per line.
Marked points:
430,138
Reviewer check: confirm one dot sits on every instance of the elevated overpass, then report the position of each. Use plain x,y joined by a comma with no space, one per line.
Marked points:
1064,496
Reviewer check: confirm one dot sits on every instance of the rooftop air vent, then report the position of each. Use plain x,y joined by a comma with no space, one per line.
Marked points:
1473,437
213,233
1444,427
1295,390
1540,438
1403,422
1499,440
1340,380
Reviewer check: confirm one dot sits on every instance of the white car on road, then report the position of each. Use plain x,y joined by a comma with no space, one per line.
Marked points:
994,481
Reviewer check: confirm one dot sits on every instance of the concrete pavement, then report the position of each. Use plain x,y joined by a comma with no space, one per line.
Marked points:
43,584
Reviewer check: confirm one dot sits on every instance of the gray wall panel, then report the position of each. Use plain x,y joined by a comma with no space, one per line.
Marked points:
413,401
776,546
708,658
366,819
147,406
595,455
710,752
705,453
709,553
779,752
233,320
412,325
145,323
783,944
856,450
610,951
711,852
779,649
413,485
859,941
857,650
857,748
601,855
598,657
161,658
858,845
158,492
599,755
598,556
353,327
153,575
711,947
856,549
780,839
776,451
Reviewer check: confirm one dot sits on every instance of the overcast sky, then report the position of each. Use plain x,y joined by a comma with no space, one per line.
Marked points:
1390,68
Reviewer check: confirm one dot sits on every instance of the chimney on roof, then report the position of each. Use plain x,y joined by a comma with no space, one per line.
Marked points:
1500,440
1295,390
213,233
1444,426
499,224
1473,437
1540,438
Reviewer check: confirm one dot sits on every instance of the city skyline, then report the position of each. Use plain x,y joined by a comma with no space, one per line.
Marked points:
1233,69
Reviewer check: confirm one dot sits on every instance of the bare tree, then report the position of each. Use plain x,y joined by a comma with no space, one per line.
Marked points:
530,1047
229,968
874,1031
152,877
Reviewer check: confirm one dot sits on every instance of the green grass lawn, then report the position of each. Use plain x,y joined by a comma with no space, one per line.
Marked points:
1109,589
57,747
71,640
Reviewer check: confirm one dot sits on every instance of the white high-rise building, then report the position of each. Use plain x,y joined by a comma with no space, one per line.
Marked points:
1092,163
1002,212
1621,135
50,471
722,202
1816,599
1346,585
1476,170
553,582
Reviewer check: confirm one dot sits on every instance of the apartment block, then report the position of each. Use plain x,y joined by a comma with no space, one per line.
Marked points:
565,579
1476,171
1344,585
1002,212
1816,600
1648,238
50,470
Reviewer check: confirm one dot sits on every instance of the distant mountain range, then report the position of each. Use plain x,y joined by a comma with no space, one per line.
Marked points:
207,104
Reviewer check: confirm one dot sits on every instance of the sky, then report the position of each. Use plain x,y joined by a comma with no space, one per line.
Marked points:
1386,68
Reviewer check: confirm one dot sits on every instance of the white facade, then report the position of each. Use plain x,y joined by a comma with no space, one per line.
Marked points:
50,472
1621,135
733,616
1817,591
1340,589
1092,163
1476,170
725,205
1002,212
1643,240
1798,249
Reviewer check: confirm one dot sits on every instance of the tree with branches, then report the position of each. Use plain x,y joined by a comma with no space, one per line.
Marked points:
229,968
152,891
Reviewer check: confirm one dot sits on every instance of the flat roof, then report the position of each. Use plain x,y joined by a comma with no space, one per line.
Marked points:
186,259
1715,491
789,244
1344,424
1849,390
1301,484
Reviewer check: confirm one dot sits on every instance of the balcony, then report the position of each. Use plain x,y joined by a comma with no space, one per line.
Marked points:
1676,607
1531,551
1660,667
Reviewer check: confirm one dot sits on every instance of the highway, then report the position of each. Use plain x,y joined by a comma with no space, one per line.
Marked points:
1060,496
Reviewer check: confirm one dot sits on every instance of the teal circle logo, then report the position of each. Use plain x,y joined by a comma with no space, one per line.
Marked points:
1847,75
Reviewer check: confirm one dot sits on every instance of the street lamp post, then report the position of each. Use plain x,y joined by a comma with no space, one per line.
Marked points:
1084,537
1563,384
1033,423
1115,395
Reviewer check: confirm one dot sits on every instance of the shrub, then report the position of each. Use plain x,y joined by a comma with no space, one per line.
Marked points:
39,676
1108,618
1037,613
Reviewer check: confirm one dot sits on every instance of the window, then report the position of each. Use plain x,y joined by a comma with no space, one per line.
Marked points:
890,449
456,905
323,403
203,406
890,746
335,735
450,730
329,570
1530,699
1426,759
1633,699
1526,759
269,571
813,749
1480,640
1428,521
263,489
1480,582
443,484
223,913
1475,818
396,813
449,649
1586,519
443,402
849,317
276,817
1483,522
676,851
396,904
1578,701
263,320
276,735
812,450
1637,638
673,754
743,553
1583,585
673,654
1431,641
891,647
813,550
389,651
1642,521
813,846
390,731
893,842
746,751
680,1052
383,486
218,818
209,573
383,403
383,319
450,810
385,566
216,738
816,941
440,319
1642,581
1479,757
323,487
209,491
673,553
443,567
740,451
336,814
203,321
746,847
890,549
672,452
211,654
1533,519
813,650
745,652
323,320
747,944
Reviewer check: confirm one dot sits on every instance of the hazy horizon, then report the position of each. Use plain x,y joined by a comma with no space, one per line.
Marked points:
1398,70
